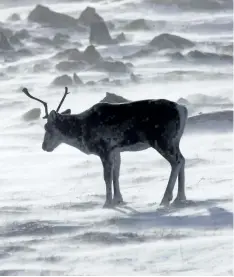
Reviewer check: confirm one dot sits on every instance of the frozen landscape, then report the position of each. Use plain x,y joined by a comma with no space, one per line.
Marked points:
52,220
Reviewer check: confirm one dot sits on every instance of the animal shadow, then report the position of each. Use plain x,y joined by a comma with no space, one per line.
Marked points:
168,217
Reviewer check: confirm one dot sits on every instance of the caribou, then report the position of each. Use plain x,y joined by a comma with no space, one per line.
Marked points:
107,129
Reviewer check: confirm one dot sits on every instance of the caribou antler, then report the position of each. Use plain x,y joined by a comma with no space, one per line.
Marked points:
64,96
25,90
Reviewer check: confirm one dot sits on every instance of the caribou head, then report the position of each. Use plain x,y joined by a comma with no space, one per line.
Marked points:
52,137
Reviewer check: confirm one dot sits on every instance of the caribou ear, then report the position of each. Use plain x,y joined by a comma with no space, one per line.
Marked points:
52,115
68,111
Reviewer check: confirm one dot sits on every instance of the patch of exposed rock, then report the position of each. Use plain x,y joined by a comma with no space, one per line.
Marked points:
137,24
46,17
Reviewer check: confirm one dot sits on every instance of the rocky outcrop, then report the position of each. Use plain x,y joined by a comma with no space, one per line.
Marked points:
44,16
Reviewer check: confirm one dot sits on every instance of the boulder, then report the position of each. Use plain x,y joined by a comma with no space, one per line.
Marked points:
22,34
6,32
32,114
113,98
4,43
112,67
137,24
15,41
44,16
71,65
14,17
120,38
168,41
70,54
63,80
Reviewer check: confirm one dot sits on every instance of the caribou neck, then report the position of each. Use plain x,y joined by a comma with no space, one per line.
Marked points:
71,129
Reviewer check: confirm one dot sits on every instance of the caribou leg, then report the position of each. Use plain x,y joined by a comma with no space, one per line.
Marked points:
108,165
118,199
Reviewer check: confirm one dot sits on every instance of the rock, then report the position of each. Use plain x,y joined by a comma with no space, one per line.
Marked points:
32,114
91,55
4,43
44,16
77,80
22,34
168,41
14,17
137,24
71,65
63,80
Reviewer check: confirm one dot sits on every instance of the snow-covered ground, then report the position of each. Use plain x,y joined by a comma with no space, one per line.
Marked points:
52,220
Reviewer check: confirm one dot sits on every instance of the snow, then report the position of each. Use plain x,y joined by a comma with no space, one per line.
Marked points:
52,220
